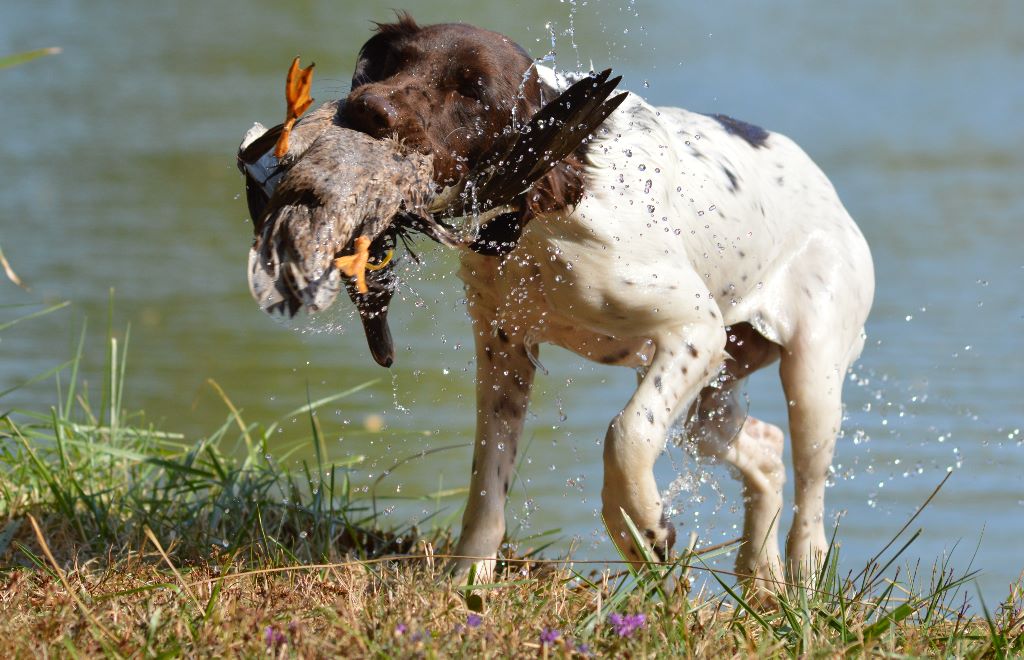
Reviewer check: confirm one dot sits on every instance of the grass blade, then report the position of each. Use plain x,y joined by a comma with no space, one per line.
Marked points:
21,58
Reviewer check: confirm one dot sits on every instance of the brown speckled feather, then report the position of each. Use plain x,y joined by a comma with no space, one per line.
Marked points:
346,184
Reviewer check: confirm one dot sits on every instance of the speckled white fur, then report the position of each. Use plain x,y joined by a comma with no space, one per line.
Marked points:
688,235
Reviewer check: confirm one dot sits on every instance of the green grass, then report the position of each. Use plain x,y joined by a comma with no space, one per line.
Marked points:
97,477
120,539
17,59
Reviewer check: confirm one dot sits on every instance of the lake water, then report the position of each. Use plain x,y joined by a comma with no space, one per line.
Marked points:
118,172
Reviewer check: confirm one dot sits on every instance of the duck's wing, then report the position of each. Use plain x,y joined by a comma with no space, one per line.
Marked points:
553,133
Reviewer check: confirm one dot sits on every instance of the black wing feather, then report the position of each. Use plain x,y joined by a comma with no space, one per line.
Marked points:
551,135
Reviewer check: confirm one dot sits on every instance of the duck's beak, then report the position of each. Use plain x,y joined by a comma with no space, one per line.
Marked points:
378,336
373,312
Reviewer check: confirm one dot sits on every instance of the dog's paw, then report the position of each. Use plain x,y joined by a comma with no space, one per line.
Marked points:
762,578
663,538
468,571
660,539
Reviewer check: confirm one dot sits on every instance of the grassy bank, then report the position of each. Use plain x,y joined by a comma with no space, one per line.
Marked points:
117,538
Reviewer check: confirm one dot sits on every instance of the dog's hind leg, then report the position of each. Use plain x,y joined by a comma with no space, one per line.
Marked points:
504,378
719,428
813,369
682,364
722,432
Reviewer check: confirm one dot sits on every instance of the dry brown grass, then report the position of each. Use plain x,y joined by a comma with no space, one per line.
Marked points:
356,610
141,607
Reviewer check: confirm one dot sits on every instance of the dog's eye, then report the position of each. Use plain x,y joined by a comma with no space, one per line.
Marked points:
471,86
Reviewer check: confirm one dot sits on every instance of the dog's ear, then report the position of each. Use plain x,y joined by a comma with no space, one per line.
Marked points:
374,57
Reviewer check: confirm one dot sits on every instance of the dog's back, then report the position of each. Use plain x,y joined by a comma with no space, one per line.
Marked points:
674,195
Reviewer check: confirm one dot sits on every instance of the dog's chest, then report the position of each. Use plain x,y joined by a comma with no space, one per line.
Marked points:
544,301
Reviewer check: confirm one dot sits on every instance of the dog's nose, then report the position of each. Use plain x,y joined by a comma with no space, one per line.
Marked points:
371,113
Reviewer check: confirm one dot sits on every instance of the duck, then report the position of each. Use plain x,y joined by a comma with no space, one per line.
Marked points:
330,205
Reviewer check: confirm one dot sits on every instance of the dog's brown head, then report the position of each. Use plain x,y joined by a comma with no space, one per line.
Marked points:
454,91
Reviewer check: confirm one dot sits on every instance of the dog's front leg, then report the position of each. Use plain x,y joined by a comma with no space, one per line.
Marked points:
683,363
504,375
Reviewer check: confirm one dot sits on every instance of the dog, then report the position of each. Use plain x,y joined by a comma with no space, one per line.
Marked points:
694,248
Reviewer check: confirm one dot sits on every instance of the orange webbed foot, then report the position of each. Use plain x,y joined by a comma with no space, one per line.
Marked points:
296,93
354,265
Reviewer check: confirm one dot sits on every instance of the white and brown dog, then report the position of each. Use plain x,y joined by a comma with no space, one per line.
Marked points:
702,250
694,248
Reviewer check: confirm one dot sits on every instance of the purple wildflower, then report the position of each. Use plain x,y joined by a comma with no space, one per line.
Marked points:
273,637
400,629
549,636
625,626
582,649
474,620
